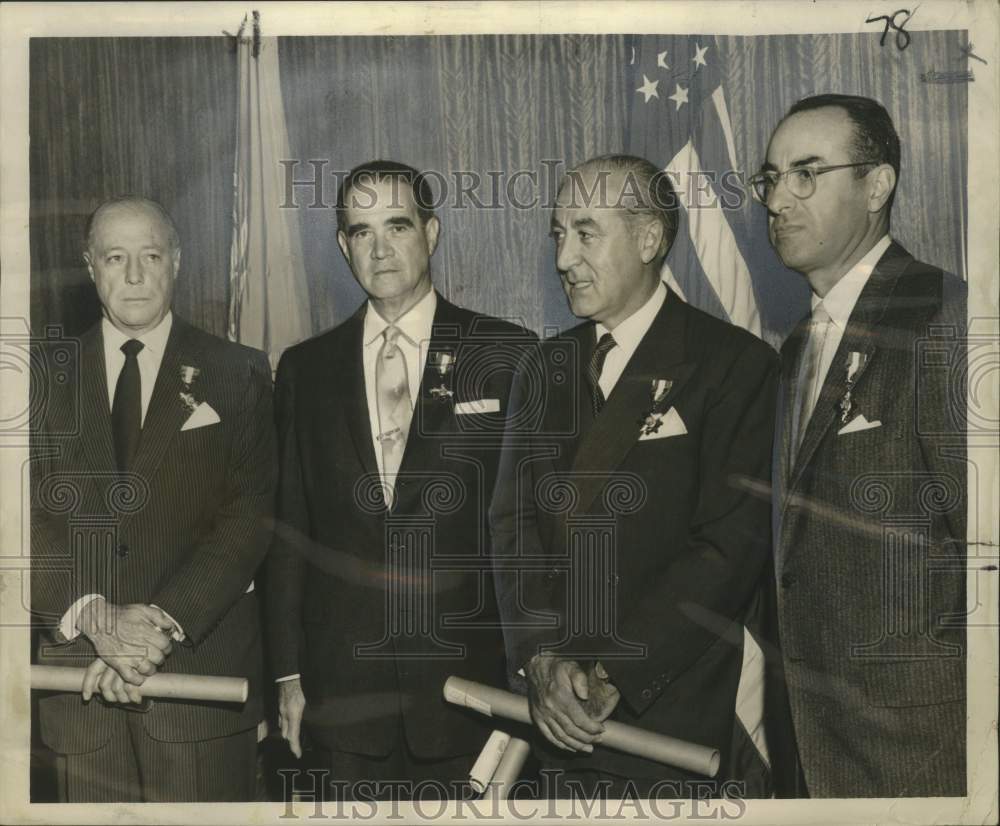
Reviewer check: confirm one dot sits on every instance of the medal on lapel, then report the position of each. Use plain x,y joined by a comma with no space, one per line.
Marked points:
855,363
652,421
188,375
442,363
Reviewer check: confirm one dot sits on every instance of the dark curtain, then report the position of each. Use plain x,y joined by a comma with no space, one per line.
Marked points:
157,116
110,116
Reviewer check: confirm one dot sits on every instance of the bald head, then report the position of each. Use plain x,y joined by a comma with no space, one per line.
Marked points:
133,256
134,203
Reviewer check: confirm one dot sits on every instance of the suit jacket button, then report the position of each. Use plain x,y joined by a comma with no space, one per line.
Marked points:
787,580
646,694
122,550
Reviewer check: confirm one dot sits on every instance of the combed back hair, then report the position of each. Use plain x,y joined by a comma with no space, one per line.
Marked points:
132,201
377,171
655,198
875,137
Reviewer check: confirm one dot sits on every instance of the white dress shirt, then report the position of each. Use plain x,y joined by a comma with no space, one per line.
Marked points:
149,357
627,336
414,342
840,301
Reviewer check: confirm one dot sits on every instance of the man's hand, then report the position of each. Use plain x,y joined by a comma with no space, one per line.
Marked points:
129,638
557,692
103,679
291,705
603,695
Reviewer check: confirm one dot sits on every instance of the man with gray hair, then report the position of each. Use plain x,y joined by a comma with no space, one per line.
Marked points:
623,483
161,438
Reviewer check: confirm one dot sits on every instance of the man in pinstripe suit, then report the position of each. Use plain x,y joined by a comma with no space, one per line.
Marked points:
162,436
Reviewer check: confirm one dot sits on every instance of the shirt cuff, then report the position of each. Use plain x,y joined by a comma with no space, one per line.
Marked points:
67,625
288,677
176,633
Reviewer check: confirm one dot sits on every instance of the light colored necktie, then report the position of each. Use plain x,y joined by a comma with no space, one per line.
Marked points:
392,393
810,381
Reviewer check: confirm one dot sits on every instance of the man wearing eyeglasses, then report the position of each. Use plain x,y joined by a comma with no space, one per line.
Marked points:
869,501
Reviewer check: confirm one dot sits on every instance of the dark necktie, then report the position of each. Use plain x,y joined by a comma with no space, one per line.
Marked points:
126,412
604,346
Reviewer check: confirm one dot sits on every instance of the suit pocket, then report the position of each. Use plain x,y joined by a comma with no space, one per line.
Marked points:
870,437
905,683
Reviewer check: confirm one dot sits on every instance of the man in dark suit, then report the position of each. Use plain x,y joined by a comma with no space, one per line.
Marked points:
623,508
869,503
379,582
152,493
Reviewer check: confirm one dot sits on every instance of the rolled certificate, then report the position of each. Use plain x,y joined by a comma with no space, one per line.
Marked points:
489,758
173,686
509,770
629,739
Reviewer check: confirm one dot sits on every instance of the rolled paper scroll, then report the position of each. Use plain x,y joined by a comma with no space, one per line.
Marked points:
653,746
509,770
162,686
489,758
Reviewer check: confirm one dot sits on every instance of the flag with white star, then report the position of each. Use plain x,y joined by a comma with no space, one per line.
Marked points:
678,120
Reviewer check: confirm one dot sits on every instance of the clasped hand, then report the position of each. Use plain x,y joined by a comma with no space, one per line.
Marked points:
569,704
131,642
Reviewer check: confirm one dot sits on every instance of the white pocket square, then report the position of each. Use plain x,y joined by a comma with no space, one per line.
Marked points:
667,424
477,406
857,424
204,414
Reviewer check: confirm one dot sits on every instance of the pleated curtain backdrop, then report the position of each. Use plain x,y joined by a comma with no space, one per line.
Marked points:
109,116
157,116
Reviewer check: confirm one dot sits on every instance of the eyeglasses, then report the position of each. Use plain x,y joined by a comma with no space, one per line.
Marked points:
801,180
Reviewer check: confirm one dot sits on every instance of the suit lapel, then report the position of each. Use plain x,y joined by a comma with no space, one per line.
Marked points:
348,387
432,414
861,336
791,367
660,355
569,401
167,412
98,444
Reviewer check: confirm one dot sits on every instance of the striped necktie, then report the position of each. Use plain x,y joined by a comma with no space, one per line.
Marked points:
594,369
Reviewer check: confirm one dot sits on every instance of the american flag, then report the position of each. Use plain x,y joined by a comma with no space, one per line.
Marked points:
678,119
